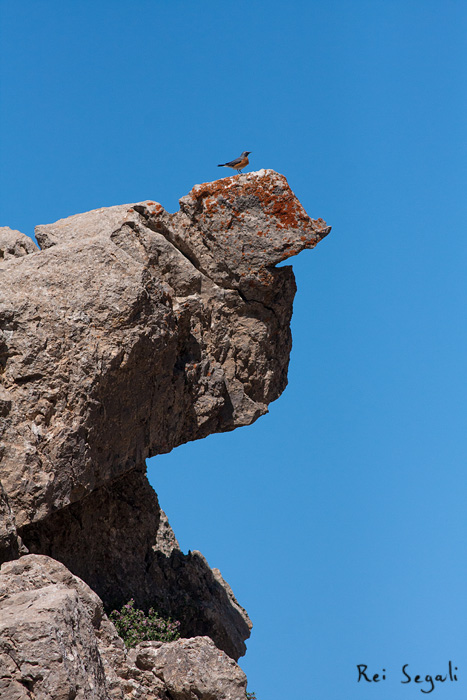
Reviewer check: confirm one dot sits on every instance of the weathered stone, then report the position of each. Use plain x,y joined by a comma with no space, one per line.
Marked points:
14,244
131,332
56,643
192,669
136,331
150,568
48,646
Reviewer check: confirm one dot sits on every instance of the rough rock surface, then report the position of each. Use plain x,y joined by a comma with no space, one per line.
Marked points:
131,332
14,244
56,643
136,555
191,669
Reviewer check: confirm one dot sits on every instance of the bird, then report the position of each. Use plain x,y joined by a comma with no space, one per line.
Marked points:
238,164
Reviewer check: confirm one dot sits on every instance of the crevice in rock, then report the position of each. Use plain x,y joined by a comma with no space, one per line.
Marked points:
28,378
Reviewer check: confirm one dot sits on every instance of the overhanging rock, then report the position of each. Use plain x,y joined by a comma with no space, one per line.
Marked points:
131,332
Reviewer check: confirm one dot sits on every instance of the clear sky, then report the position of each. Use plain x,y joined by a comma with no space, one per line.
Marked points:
340,518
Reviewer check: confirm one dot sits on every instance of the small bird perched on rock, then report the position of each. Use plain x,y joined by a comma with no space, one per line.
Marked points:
238,164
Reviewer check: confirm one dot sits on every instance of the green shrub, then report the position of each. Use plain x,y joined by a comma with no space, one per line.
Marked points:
133,626
251,696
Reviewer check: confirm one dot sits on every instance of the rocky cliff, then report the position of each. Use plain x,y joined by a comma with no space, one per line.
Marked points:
130,332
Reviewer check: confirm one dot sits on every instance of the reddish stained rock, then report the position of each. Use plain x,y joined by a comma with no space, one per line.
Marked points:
236,224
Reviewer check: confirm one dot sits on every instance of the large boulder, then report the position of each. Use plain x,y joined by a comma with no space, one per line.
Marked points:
131,332
56,643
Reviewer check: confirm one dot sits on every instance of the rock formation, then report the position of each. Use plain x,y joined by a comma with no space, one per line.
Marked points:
56,643
130,332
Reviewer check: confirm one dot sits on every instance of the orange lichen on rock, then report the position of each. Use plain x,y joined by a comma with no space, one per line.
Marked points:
275,198
251,222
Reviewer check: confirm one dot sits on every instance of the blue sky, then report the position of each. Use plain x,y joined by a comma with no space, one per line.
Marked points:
339,518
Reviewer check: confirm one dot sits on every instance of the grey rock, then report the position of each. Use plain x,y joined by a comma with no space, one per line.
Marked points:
14,244
56,643
136,555
48,646
131,332
192,669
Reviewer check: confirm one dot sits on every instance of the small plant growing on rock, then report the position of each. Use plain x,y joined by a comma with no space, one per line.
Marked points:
134,626
251,696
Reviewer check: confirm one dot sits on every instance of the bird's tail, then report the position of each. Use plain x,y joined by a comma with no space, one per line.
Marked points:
221,165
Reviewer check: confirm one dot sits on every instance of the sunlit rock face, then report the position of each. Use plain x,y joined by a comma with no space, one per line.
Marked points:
130,332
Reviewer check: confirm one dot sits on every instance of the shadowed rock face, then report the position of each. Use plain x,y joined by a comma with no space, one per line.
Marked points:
131,332
119,541
57,643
